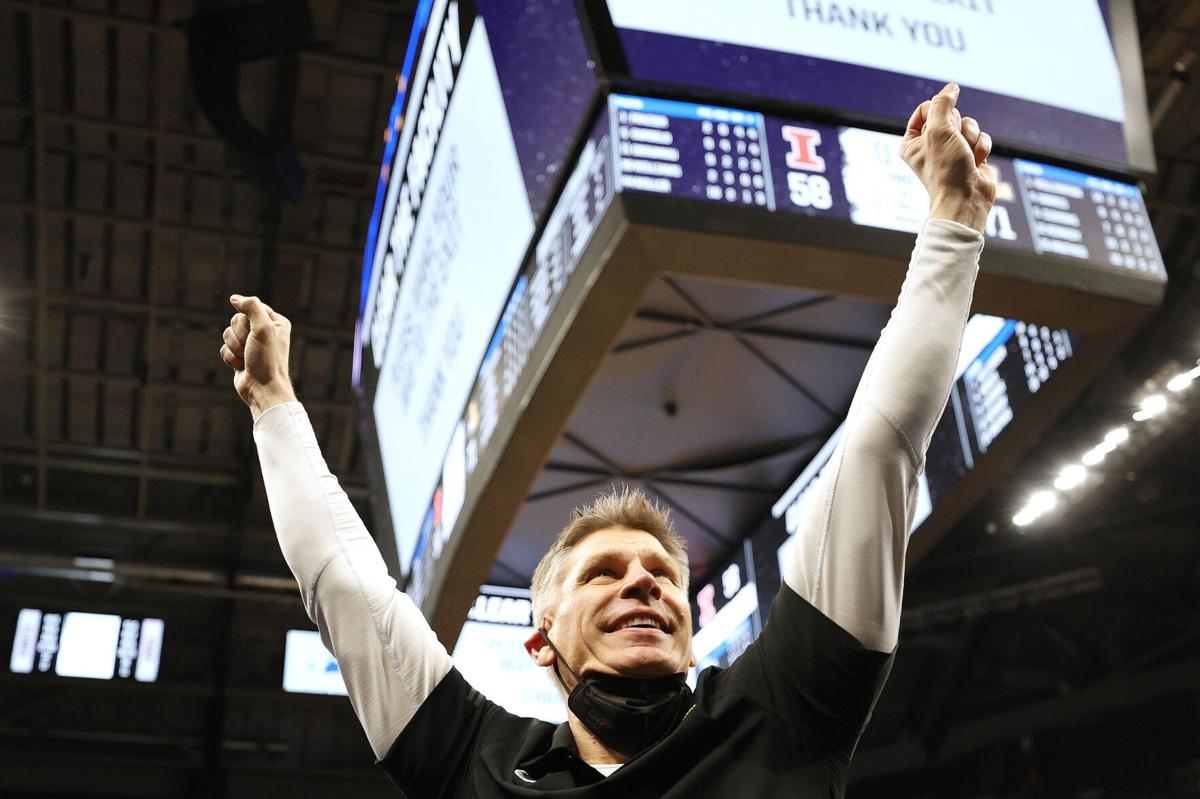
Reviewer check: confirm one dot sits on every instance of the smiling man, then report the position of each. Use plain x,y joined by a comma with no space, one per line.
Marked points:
610,597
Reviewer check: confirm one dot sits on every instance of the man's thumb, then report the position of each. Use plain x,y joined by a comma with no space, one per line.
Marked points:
253,308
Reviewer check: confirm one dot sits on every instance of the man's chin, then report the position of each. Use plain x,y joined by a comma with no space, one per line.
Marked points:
645,664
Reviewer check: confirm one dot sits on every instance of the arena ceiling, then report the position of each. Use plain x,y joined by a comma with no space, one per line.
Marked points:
135,198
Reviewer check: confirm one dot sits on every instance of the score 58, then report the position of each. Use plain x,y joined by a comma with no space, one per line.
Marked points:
809,191
809,188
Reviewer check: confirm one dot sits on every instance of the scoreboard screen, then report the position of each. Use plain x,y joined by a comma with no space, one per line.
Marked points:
98,646
876,59
1002,365
490,654
476,140
505,148
743,158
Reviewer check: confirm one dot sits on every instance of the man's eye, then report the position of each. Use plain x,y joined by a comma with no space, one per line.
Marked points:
601,573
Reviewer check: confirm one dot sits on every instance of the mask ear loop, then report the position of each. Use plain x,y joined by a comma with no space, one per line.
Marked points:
558,658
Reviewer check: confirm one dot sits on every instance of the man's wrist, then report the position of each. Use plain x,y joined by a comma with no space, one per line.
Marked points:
263,400
970,211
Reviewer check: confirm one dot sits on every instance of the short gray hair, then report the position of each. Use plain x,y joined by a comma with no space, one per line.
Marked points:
623,507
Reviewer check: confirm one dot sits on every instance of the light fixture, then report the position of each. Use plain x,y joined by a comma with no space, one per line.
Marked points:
1152,406
1181,381
1024,518
1043,501
1038,504
1074,475
1070,477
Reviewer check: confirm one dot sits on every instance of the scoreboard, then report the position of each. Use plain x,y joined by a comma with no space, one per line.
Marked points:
517,130
879,58
738,157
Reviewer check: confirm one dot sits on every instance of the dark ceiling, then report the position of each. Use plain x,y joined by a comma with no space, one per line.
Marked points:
1052,663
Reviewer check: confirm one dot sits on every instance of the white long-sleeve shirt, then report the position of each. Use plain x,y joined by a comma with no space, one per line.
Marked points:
848,562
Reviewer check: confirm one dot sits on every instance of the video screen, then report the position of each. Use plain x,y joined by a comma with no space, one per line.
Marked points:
879,59
97,646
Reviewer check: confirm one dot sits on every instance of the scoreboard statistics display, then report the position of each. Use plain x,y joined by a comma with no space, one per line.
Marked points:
879,58
473,149
1002,365
742,158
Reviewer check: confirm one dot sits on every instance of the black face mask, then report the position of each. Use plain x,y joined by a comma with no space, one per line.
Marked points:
627,714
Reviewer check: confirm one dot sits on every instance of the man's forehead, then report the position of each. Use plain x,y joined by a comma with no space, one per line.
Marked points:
616,539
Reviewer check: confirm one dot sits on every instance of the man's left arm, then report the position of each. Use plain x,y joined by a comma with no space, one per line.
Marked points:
848,561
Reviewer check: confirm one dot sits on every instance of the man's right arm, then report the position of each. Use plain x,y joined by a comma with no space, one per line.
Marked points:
389,658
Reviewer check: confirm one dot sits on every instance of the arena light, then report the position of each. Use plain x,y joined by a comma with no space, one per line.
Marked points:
1181,381
1152,406
1070,477
1040,503
1024,518
1156,404
1116,437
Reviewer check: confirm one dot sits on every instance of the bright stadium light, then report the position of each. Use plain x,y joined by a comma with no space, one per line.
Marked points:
1094,455
1024,518
1152,406
1070,477
1038,504
1116,437
1043,501
1181,381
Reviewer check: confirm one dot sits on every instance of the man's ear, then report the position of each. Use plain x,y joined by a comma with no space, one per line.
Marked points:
538,649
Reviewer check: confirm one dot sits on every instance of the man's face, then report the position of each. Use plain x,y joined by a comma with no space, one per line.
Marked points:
622,608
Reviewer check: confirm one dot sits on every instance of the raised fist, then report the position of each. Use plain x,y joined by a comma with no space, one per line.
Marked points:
256,348
949,154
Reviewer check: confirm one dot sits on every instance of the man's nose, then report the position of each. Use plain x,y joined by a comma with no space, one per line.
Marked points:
640,583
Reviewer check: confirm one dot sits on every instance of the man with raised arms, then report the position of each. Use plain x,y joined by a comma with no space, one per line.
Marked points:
610,597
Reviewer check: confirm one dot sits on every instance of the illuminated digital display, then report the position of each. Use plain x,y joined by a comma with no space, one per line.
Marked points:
882,57
97,646
490,654
587,193
494,98
1086,217
475,140
689,150
308,667
1003,363
726,616
857,175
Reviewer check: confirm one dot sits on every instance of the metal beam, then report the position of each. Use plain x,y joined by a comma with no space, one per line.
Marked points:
758,354
190,136
153,224
781,334
207,317
256,586
204,394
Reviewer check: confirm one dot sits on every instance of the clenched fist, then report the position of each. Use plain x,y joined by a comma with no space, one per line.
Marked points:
256,348
949,154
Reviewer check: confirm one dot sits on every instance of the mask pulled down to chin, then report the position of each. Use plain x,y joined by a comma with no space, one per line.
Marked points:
627,714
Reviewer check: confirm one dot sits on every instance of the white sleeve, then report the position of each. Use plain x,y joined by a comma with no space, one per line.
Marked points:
848,560
389,657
